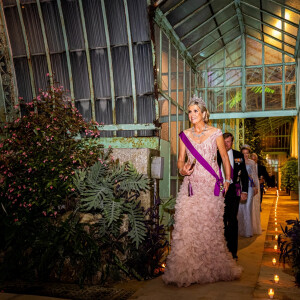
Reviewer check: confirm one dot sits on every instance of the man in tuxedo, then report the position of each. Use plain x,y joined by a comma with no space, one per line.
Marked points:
237,191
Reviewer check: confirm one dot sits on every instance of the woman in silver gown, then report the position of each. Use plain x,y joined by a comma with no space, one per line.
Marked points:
246,208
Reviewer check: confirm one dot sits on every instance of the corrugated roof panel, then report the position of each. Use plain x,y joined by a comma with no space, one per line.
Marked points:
253,33
184,10
252,23
226,14
199,34
273,42
250,11
194,21
167,5
271,7
231,35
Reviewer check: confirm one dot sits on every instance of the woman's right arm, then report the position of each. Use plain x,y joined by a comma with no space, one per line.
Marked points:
182,166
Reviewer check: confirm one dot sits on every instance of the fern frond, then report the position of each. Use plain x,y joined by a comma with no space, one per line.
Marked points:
97,171
137,230
112,210
92,198
135,183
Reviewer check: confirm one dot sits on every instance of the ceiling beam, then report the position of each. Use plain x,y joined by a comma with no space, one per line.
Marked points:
287,7
192,14
221,37
237,4
271,26
297,53
205,22
164,24
174,7
205,36
270,36
271,14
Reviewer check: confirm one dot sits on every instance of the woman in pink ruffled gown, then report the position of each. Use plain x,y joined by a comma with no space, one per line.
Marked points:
199,251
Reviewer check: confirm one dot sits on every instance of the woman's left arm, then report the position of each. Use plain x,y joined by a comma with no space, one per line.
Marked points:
225,160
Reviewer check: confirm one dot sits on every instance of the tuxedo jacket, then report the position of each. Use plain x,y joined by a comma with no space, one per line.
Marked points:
240,174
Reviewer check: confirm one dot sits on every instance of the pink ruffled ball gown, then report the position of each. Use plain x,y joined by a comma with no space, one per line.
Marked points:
199,252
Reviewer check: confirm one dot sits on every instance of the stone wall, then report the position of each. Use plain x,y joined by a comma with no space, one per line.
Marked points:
141,159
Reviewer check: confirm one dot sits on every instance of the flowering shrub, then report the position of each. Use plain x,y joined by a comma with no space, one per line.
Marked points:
39,154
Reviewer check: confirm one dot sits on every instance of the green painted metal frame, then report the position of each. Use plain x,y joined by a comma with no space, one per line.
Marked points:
174,7
111,74
271,14
114,127
270,36
88,59
237,4
133,85
130,142
271,46
63,27
271,26
286,6
164,24
45,42
27,49
254,114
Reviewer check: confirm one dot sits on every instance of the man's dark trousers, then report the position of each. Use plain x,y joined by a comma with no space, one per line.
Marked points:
230,220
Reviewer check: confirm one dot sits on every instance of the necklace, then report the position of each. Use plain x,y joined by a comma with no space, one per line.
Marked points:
198,135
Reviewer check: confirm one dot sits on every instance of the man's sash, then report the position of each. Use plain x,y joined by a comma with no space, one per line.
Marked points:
204,163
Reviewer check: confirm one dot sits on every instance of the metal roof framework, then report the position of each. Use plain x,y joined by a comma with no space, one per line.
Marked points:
204,27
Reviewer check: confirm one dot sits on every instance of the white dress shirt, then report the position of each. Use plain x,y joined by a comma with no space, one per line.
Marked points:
230,155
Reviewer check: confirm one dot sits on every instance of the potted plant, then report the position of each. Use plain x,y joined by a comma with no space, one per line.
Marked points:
289,245
289,177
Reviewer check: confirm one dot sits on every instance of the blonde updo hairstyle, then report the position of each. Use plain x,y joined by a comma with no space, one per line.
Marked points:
201,104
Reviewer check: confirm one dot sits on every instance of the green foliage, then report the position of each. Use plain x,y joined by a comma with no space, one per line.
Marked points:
112,190
289,175
40,153
252,138
289,245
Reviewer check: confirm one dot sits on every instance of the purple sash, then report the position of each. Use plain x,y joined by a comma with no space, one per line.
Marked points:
204,163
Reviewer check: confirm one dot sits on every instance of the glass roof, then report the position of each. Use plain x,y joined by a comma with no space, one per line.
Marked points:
205,27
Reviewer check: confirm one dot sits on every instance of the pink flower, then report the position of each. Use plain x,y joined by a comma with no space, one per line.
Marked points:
72,189
15,220
91,153
38,129
44,213
29,170
38,98
47,126
51,187
52,169
47,74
